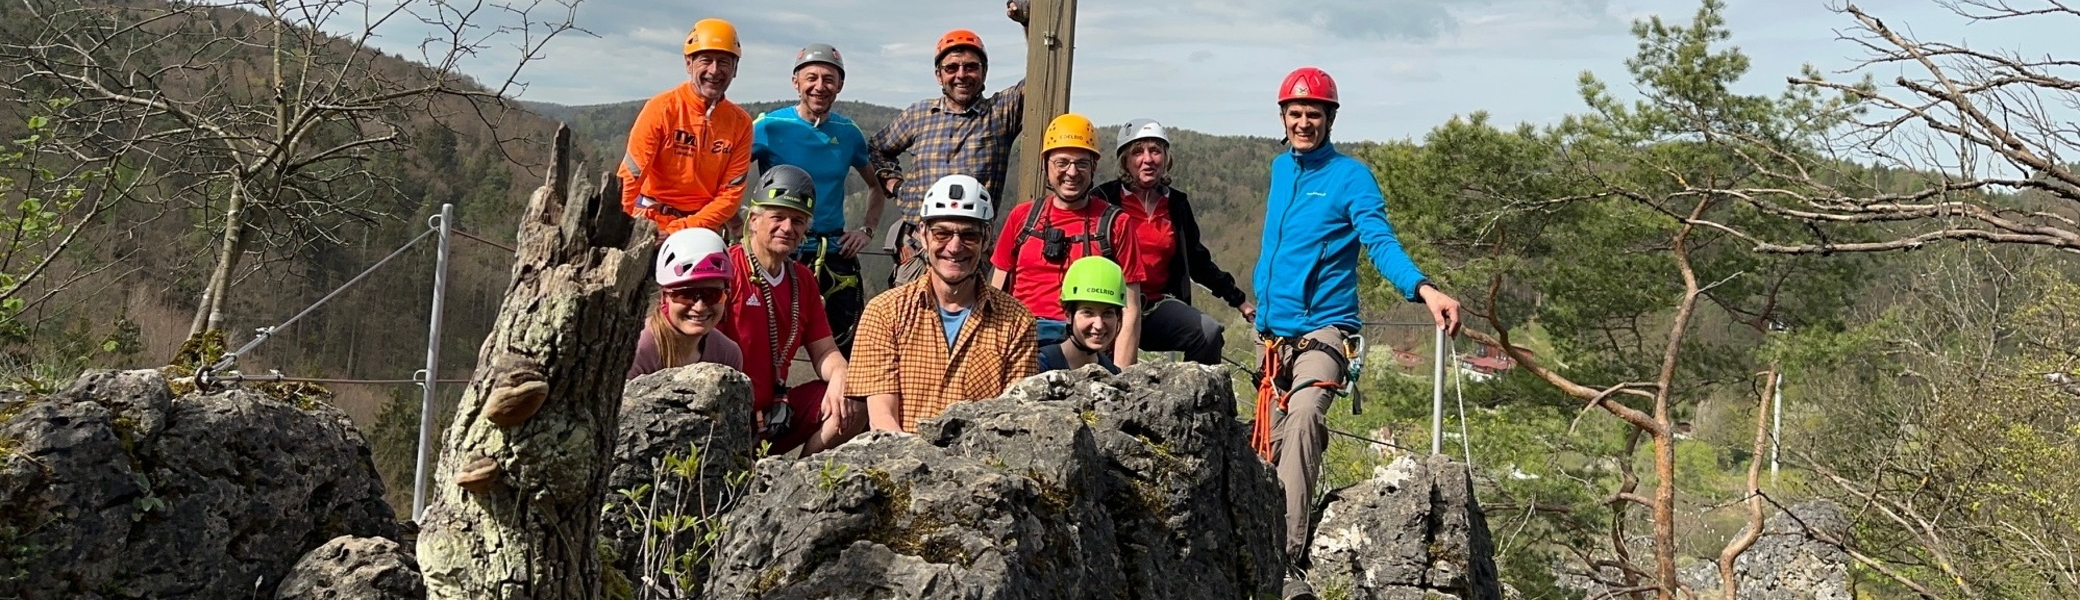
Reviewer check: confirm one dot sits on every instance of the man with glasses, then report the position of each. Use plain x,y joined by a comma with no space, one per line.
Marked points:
945,337
1048,234
961,132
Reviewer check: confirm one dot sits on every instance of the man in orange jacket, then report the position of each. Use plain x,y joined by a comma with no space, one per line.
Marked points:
690,149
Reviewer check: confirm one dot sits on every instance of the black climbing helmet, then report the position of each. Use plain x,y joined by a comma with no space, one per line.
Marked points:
786,186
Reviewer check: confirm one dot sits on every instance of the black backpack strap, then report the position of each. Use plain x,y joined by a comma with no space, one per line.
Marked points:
1018,242
1104,233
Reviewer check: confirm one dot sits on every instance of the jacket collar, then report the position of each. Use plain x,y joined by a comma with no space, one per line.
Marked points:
942,105
1312,158
929,302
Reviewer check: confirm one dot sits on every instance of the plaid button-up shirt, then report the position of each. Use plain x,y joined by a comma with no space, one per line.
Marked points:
900,348
976,142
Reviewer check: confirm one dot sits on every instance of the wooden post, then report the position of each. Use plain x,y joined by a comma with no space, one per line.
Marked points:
516,501
1050,50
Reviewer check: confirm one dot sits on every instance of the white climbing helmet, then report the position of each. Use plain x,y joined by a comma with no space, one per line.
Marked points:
693,254
958,196
1141,129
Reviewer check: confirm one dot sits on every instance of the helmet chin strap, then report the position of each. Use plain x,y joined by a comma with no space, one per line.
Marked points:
1077,341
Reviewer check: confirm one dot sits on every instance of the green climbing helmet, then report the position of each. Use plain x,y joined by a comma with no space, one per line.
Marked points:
1095,279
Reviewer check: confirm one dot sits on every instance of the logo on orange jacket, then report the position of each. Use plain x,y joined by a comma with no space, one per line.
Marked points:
685,143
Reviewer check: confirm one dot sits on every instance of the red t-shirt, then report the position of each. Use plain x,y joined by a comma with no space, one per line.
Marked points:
754,324
1155,237
1038,283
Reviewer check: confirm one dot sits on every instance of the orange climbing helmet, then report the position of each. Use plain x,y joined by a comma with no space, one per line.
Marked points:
1308,83
713,34
960,38
1070,130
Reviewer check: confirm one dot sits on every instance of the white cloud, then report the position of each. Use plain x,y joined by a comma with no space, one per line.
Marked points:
1404,66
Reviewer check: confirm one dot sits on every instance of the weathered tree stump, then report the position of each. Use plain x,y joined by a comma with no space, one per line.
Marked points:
515,506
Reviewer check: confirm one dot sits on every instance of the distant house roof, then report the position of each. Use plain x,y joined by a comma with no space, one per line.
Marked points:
1487,364
1407,359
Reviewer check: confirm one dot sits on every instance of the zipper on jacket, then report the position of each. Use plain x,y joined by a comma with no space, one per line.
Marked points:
1299,172
1277,249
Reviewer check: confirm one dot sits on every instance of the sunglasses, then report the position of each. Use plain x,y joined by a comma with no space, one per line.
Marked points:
967,236
956,67
713,296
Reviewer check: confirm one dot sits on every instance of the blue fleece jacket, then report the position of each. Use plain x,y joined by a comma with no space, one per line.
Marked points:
1320,206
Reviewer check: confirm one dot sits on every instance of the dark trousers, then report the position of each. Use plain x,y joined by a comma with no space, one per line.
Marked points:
837,277
1173,326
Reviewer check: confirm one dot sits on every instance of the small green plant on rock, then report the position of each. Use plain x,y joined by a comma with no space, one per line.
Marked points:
679,537
146,501
17,552
831,474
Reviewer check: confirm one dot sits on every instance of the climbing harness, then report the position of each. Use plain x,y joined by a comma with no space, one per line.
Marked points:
822,269
1354,356
1278,357
844,294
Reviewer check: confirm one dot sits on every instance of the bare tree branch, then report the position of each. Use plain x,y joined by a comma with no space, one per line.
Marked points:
292,164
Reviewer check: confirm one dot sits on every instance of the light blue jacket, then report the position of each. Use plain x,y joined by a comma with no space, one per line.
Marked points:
1320,206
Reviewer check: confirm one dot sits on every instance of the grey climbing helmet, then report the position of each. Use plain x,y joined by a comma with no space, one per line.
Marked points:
1141,129
819,53
786,186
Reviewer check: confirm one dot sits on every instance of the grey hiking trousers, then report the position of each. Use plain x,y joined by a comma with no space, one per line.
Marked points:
1299,436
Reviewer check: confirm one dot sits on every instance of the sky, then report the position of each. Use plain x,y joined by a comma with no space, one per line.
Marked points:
1403,66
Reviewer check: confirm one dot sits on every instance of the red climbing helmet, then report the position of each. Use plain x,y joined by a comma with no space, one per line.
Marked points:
1308,83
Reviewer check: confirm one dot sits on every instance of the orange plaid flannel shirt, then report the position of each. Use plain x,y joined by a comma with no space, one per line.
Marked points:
900,348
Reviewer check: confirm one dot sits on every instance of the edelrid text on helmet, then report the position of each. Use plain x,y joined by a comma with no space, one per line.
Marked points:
1094,279
1070,130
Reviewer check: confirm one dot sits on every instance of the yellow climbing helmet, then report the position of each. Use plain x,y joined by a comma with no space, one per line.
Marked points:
1070,130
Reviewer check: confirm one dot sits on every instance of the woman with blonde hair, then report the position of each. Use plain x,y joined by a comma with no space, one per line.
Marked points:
1167,238
693,289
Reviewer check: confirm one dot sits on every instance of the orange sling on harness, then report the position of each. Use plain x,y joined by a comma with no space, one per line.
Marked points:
1269,370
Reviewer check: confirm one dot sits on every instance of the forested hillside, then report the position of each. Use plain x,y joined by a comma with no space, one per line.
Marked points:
1654,270
126,288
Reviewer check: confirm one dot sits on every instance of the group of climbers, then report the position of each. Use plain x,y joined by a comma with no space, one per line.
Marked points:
1086,273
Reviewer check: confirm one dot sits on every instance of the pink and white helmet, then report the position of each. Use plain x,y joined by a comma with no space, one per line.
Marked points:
695,254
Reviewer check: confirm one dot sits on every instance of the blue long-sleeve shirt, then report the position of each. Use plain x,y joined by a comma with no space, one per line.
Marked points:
1321,205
